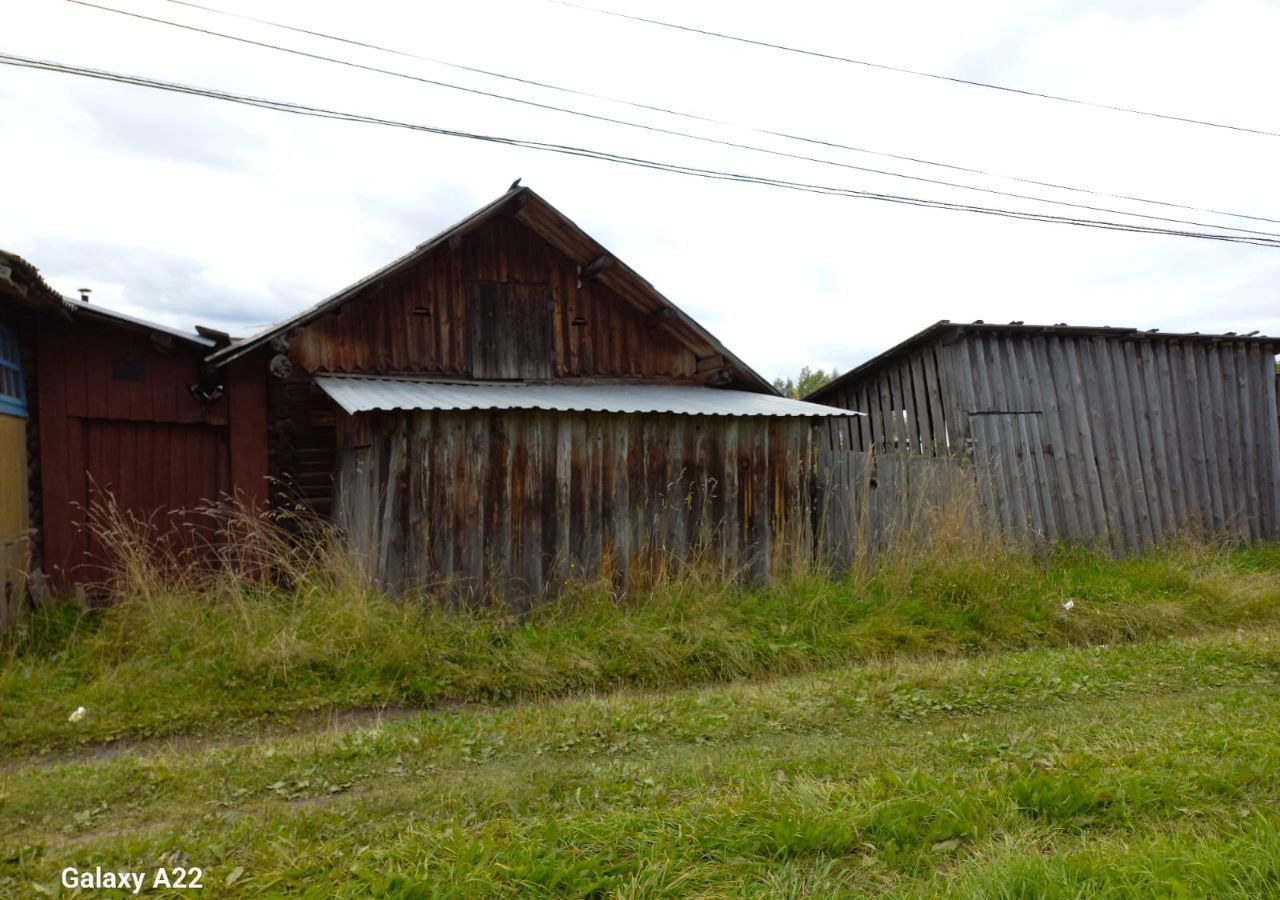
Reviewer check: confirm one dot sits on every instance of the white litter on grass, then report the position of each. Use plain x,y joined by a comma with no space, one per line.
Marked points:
77,715
1069,605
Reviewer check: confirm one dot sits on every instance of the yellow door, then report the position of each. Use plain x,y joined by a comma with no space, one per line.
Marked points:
13,481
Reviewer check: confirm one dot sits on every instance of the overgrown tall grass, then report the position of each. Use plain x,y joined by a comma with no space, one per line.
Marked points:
271,619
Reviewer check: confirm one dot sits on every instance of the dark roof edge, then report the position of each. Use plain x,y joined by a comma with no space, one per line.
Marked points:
95,311
945,326
30,282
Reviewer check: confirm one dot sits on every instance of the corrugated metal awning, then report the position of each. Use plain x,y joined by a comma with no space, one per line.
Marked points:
362,393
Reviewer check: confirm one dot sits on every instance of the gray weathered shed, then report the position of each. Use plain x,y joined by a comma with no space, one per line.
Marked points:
1092,434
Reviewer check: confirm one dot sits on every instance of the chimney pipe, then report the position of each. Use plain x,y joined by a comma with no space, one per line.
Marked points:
84,294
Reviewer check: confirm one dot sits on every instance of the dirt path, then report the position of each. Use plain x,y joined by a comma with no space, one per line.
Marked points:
327,722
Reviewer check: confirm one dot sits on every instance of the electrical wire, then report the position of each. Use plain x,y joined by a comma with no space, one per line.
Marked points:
954,79
709,119
639,162
656,129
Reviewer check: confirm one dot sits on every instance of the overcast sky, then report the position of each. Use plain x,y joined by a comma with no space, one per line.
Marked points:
189,210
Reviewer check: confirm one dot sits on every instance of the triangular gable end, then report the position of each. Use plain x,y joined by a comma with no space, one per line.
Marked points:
514,291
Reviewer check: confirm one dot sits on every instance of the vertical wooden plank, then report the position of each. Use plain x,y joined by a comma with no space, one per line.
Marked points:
397,489
1013,435
1094,363
866,436
579,494
920,402
1030,420
1043,392
1225,441
733,503
1166,415
435,518
884,412
1067,496
933,400
1202,411
620,502
417,552
1244,428
959,395
454,428
990,438
1114,433
594,504
1079,427
1262,367
1253,370
1002,434
563,494
1271,413
903,418
758,521
1132,459
699,486
527,566
1138,435
1240,454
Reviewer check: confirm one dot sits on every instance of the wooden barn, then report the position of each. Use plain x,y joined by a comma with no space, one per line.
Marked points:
510,405
1109,435
108,403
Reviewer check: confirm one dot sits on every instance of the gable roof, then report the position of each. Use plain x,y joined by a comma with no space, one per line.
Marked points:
562,233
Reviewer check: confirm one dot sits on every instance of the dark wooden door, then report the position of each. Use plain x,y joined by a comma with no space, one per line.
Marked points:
510,327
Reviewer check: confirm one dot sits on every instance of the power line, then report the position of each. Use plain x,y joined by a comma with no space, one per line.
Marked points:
709,119
657,129
676,168
954,79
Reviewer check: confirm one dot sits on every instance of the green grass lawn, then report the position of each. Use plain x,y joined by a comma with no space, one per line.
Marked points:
949,730
169,661
1149,769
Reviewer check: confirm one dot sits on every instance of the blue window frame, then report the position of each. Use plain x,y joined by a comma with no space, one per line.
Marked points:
13,393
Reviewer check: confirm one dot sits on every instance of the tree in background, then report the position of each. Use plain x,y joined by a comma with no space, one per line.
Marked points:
808,381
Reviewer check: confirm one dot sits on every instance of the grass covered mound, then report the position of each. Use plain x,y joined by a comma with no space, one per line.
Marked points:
173,656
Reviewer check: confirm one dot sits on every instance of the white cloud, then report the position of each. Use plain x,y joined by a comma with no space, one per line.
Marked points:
189,210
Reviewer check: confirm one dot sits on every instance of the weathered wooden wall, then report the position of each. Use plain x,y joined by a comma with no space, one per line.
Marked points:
1124,440
531,498
424,318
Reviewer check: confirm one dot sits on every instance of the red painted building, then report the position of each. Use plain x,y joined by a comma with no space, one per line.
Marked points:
117,404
